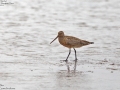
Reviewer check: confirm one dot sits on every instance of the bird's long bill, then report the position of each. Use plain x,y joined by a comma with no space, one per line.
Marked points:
54,39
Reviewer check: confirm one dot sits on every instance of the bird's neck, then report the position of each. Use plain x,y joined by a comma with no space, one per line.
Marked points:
61,39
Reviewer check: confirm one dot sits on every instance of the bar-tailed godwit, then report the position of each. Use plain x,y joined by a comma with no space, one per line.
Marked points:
71,42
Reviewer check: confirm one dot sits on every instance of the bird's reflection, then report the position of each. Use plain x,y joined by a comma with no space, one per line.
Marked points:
68,67
75,65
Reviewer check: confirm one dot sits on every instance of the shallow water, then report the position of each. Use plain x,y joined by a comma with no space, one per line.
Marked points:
28,61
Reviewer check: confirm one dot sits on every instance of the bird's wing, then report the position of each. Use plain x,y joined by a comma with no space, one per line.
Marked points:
72,40
76,41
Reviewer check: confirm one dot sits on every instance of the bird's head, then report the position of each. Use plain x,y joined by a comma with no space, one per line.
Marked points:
60,34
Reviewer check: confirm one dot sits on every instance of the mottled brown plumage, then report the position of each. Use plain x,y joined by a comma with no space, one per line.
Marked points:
71,42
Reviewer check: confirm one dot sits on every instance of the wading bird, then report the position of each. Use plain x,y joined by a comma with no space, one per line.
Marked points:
71,42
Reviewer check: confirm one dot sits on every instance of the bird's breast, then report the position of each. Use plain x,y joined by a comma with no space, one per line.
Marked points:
63,41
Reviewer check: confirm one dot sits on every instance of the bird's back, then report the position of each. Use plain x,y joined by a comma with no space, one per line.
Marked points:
73,42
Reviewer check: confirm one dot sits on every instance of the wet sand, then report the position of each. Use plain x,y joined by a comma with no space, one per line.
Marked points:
29,62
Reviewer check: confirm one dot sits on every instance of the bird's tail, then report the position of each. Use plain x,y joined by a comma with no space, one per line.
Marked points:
91,42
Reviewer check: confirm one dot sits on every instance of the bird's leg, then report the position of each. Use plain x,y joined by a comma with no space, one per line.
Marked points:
75,55
68,54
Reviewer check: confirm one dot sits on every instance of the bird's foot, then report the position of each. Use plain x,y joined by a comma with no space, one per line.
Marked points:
64,60
75,60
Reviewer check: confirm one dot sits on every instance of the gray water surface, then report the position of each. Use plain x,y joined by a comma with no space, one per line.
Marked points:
29,62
